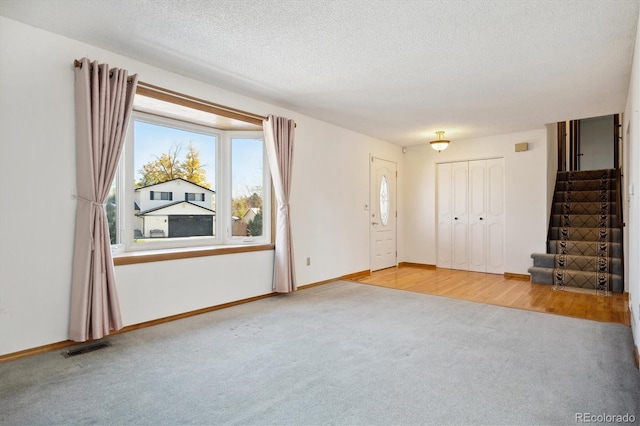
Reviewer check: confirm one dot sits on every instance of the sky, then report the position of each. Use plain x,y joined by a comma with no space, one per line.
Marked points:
247,153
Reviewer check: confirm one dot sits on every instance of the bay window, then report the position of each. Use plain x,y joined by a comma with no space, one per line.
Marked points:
189,178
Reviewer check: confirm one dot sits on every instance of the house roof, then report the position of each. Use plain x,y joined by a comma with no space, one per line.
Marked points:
397,70
253,210
158,209
173,180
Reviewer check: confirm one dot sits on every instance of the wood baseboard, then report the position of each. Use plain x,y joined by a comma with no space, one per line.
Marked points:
416,265
356,275
316,284
520,277
37,350
67,343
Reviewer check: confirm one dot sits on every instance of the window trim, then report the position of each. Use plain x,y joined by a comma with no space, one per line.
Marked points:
152,195
127,248
162,94
197,196
266,186
135,257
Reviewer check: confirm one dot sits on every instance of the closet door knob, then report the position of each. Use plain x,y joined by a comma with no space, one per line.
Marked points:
481,219
455,218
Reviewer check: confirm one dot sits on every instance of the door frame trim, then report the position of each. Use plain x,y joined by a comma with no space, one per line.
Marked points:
369,225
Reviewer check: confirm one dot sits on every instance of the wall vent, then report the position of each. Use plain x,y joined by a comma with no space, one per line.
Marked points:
85,349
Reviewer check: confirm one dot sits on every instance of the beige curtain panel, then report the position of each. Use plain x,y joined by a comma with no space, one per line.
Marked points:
104,99
279,137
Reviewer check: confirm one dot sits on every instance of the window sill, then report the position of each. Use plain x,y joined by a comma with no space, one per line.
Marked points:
132,258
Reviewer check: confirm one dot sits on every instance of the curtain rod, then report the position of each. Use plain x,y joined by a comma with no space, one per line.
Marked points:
147,88
78,64
161,93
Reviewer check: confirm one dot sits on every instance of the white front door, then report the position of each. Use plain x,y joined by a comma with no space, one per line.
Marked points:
383,215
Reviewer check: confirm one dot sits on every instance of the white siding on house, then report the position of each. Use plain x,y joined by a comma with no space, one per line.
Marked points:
181,208
155,224
177,187
250,215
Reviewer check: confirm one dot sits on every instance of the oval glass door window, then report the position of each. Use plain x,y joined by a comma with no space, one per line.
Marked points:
384,200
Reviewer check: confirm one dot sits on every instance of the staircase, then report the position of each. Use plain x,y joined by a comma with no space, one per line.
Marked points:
584,248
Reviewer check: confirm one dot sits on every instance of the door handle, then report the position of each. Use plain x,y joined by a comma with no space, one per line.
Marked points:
481,218
455,218
374,223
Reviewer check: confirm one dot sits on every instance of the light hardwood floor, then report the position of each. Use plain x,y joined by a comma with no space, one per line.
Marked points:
496,290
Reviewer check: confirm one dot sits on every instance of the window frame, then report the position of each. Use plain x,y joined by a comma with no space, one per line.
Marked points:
266,189
152,195
125,181
197,196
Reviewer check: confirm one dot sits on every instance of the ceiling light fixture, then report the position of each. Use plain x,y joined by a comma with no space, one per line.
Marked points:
440,143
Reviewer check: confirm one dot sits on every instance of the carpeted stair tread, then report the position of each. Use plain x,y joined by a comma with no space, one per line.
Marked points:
587,174
586,185
584,207
546,260
613,235
584,220
584,248
589,280
583,196
540,275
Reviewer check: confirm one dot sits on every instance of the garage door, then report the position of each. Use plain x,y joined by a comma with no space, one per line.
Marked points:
190,226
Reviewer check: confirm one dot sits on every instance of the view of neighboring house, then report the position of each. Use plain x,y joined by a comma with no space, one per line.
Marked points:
250,214
175,208
241,224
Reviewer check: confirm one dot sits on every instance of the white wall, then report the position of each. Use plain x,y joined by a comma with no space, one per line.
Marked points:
631,164
552,165
154,290
526,212
330,188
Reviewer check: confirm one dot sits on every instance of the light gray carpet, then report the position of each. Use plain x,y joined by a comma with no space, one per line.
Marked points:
341,353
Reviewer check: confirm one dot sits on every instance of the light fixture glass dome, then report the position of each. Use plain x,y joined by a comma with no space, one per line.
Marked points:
440,144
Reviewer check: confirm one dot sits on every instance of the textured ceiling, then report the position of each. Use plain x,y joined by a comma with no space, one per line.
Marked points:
397,70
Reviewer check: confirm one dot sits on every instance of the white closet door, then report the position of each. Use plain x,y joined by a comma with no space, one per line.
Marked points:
444,216
495,216
477,215
460,211
471,215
